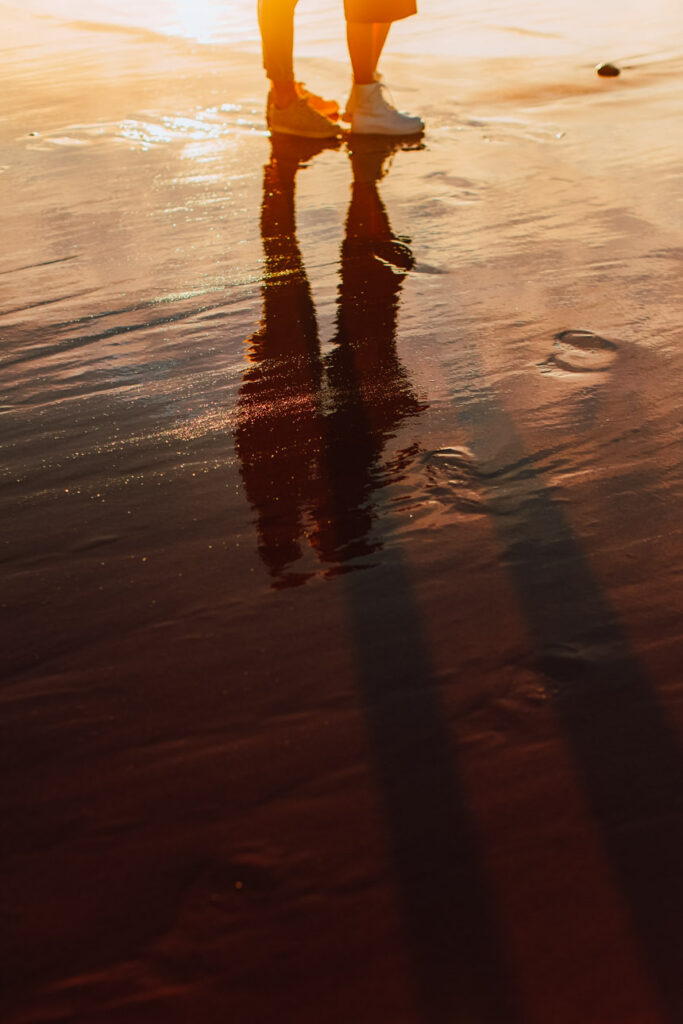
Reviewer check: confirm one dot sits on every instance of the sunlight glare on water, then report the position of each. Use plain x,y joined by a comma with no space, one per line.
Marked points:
468,28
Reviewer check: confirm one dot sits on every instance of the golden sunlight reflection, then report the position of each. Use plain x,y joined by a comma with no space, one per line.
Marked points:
207,21
198,20
470,28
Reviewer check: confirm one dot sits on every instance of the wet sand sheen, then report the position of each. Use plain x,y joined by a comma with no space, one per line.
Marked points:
342,543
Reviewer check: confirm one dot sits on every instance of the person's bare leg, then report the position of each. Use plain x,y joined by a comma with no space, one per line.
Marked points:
283,92
366,42
380,31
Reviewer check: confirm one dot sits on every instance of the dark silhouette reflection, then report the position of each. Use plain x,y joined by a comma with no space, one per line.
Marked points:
370,390
310,437
309,473
279,433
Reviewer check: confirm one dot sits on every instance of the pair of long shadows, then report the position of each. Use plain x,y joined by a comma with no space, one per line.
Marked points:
310,436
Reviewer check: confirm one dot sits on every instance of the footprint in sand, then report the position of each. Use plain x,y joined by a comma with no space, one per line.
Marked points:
581,352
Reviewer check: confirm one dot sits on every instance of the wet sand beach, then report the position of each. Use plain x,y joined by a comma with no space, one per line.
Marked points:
341,495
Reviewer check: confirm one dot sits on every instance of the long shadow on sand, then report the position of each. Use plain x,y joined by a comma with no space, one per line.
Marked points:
310,437
627,754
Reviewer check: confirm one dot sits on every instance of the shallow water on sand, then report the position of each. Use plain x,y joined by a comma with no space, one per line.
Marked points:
341,549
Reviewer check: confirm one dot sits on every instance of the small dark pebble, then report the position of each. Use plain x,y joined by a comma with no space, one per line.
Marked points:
608,70
33,133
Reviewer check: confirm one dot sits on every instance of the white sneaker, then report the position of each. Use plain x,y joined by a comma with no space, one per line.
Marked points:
351,101
373,114
299,118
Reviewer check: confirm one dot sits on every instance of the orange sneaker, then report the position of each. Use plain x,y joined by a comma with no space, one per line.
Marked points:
299,118
328,108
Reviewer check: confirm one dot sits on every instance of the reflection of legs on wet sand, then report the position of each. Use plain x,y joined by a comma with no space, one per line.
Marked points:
279,420
371,391
307,473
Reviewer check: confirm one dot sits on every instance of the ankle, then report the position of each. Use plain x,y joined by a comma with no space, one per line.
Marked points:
283,93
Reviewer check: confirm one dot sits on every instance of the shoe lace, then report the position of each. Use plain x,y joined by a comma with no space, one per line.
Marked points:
385,92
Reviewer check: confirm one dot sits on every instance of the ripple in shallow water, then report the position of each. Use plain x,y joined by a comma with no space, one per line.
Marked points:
453,481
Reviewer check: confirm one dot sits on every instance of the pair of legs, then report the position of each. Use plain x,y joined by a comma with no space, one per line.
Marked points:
276,21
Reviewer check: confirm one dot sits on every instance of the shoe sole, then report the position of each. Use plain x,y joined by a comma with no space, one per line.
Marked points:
303,135
391,135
